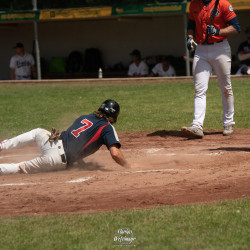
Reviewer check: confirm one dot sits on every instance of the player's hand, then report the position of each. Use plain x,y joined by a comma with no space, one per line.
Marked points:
212,31
191,44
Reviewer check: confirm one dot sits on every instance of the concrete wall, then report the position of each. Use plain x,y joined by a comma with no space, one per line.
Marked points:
116,39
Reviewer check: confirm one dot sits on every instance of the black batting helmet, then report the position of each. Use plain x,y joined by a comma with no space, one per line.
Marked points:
110,108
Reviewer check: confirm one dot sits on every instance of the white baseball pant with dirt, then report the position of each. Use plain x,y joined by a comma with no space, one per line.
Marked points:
216,57
52,153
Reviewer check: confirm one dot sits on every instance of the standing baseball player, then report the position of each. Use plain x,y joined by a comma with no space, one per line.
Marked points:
22,65
210,23
86,135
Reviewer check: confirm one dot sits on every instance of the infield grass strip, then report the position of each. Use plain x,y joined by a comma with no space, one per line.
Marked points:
147,107
222,225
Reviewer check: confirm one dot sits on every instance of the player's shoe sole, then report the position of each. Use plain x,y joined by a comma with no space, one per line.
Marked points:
192,132
228,130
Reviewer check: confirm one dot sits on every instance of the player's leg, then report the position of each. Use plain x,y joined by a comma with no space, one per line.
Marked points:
16,142
201,73
45,163
50,159
22,139
222,67
11,168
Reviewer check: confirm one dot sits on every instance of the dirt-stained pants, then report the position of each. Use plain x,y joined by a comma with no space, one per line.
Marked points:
216,58
51,153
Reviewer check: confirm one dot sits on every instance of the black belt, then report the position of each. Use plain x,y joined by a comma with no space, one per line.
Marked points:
212,43
63,157
61,151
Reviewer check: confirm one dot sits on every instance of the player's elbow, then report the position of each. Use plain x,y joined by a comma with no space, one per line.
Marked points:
235,25
115,156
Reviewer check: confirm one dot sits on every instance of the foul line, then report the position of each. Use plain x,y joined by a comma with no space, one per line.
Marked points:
151,151
163,170
159,170
39,183
80,180
157,152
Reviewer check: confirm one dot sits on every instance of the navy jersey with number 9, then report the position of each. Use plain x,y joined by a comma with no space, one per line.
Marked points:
86,135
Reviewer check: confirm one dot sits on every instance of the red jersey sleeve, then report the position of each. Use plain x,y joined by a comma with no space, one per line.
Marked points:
228,12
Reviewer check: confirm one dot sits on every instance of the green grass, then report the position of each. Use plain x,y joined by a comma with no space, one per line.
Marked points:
222,225
143,107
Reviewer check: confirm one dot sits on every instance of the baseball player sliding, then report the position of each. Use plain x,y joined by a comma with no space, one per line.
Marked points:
86,135
210,23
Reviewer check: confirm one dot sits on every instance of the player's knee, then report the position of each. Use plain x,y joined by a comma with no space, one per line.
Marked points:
39,131
36,131
200,92
228,92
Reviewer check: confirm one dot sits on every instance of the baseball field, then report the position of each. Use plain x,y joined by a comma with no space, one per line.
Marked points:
184,194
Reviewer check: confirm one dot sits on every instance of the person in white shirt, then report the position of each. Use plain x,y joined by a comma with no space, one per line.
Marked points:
163,68
22,65
137,68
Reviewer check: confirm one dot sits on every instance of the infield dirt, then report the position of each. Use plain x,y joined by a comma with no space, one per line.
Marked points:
172,170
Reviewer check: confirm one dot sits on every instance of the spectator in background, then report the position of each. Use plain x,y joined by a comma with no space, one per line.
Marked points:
22,65
137,68
244,54
163,68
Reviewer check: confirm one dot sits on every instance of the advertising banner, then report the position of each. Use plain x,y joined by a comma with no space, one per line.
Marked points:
19,16
149,9
75,13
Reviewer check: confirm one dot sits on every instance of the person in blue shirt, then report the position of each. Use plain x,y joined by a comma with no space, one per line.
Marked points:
83,138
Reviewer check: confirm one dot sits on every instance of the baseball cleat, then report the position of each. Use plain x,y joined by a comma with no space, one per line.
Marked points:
228,130
193,132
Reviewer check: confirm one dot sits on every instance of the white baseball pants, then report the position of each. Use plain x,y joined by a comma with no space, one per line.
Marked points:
50,159
208,58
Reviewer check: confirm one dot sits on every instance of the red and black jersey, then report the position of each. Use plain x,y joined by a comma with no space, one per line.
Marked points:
201,14
86,135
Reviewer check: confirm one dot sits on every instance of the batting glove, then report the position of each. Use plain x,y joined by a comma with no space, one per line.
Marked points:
212,31
191,44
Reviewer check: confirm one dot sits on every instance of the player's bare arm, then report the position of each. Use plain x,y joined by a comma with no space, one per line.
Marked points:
243,56
228,31
233,28
118,156
191,44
